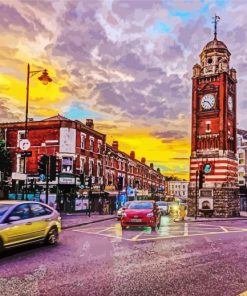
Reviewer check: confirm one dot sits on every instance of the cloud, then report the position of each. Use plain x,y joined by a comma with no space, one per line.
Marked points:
8,114
171,134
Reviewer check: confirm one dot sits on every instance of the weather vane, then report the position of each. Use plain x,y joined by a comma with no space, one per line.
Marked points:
215,18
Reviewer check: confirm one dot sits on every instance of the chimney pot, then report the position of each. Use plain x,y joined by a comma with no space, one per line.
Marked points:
143,160
115,145
151,165
132,155
89,123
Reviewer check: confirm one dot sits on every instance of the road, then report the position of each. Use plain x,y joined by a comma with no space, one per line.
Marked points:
207,258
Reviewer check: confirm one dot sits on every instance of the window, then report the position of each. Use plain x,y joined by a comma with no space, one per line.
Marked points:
82,165
90,167
21,211
83,140
67,165
20,136
38,210
20,164
98,169
91,144
99,146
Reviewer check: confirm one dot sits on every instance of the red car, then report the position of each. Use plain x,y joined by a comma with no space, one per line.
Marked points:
141,213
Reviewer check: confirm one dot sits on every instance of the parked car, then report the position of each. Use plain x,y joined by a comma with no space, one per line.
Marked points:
27,222
121,210
141,213
163,206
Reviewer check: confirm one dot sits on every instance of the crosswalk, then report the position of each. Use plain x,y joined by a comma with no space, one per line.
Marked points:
167,230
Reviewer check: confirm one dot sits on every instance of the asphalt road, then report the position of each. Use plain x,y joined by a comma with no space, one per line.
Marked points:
99,259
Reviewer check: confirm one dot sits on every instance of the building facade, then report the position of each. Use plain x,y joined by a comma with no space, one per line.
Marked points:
214,141
178,189
81,152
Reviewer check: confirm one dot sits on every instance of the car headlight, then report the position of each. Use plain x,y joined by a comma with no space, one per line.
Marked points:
119,212
150,214
124,215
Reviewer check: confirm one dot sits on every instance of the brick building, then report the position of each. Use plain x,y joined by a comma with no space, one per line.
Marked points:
80,152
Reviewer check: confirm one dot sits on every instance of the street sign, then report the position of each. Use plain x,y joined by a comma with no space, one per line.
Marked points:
26,154
25,144
42,177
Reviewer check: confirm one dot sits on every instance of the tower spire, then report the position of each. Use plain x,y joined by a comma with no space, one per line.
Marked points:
215,18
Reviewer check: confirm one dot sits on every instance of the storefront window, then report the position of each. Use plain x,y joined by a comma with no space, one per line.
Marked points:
67,165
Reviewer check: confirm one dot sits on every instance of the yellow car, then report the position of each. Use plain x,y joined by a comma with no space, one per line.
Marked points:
27,222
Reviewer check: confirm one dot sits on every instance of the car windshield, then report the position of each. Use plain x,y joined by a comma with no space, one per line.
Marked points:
161,203
141,205
3,209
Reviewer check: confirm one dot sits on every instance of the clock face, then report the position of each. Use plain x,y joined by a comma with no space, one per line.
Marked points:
230,103
208,102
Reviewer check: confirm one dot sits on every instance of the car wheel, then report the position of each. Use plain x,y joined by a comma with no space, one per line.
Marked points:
153,228
52,236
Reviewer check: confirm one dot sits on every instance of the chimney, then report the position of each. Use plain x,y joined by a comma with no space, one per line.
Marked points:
151,165
143,160
89,123
115,145
158,170
132,155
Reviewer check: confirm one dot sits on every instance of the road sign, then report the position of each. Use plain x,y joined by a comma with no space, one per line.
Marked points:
26,154
25,144
42,177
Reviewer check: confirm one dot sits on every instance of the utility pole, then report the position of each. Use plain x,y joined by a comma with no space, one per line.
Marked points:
47,180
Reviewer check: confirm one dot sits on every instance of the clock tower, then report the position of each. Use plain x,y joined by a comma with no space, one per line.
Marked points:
213,186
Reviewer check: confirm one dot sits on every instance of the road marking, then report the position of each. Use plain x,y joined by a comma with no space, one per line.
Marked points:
196,234
224,229
243,293
102,234
103,230
135,238
186,233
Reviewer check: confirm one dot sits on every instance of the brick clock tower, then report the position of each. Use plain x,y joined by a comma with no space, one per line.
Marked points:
213,159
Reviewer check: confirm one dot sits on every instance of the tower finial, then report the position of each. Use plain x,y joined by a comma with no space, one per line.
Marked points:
215,18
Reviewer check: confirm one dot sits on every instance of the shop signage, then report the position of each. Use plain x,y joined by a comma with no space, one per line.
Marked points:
66,180
110,188
206,193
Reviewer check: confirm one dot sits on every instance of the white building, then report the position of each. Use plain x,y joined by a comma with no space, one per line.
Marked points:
178,188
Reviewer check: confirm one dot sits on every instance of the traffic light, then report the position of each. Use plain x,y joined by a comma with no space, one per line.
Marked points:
201,178
82,179
53,168
120,183
90,181
42,163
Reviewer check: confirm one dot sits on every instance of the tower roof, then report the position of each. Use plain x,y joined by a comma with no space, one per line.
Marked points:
215,44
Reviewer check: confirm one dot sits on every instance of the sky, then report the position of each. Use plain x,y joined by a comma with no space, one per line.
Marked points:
127,64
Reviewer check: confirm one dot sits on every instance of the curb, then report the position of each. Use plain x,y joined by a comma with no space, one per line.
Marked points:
86,223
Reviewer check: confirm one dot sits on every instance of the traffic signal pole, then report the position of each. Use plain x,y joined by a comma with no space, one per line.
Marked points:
196,195
47,180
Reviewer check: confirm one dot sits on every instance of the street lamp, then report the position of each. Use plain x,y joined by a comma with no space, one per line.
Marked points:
45,79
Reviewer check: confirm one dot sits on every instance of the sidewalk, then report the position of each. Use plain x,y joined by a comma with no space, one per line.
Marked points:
80,219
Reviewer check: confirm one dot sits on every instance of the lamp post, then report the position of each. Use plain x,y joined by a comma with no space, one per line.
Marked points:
45,79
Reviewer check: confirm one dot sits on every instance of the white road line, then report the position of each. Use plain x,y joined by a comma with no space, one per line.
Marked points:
137,236
186,233
103,230
105,235
196,234
223,228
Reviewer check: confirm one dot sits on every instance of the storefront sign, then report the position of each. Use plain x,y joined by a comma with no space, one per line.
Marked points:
66,180
206,193
206,203
110,188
